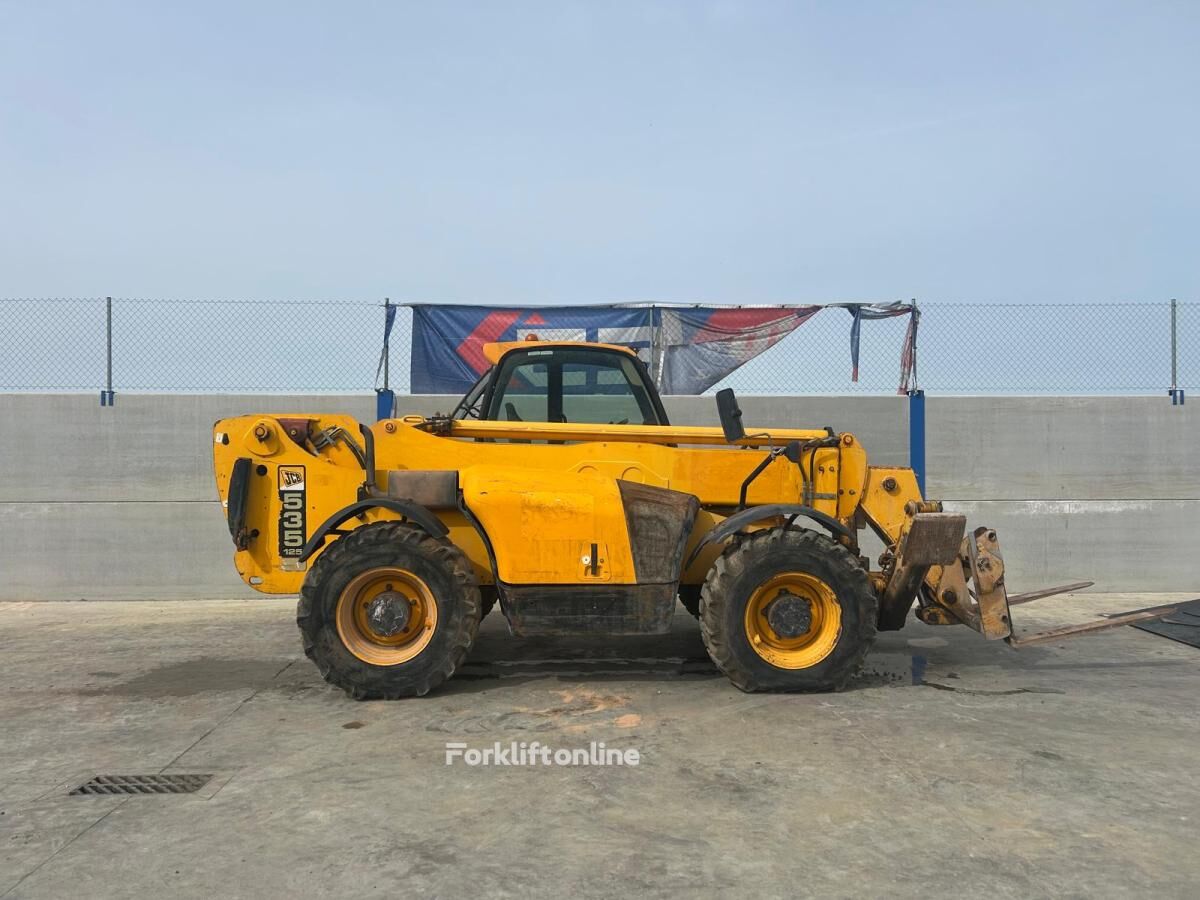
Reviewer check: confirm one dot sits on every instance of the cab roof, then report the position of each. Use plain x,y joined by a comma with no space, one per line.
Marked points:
494,351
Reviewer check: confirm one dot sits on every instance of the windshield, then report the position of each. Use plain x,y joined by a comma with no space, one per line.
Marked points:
572,385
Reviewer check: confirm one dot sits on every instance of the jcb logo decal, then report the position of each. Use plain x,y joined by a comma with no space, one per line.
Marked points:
291,478
292,530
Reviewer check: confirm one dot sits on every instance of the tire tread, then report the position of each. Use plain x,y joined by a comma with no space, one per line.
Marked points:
362,681
750,672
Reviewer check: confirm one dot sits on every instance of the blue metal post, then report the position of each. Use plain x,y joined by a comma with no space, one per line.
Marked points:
106,396
916,436
385,403
1175,391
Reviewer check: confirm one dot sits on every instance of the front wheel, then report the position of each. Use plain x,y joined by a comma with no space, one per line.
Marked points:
787,610
388,611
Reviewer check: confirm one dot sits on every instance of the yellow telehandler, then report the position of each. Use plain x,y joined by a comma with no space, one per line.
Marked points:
558,488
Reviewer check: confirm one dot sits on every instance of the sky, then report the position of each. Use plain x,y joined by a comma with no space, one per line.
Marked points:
566,152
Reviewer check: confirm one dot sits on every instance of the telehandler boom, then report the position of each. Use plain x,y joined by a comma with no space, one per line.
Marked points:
559,488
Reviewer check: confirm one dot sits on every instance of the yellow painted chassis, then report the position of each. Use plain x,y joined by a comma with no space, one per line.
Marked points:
546,494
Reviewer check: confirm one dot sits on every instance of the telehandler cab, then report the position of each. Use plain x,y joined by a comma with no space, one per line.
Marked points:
559,488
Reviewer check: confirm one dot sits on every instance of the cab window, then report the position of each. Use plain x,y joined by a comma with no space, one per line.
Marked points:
522,393
573,386
469,407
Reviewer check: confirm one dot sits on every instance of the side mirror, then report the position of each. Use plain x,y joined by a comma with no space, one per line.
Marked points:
793,451
731,415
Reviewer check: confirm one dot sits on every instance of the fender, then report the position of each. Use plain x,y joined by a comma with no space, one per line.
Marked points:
740,520
418,515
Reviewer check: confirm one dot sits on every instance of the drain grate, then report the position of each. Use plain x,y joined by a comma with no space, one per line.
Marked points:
143,784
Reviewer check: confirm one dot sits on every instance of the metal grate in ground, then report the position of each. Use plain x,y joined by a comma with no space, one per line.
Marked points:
143,784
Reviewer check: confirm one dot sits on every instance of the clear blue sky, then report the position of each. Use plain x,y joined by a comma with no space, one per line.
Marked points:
572,152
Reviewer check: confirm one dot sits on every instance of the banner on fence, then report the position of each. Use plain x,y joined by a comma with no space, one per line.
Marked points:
688,349
447,341
702,346
869,311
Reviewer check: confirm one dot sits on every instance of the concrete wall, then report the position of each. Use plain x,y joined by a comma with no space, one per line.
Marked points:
1099,488
120,502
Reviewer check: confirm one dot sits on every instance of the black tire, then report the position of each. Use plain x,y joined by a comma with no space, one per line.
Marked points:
689,596
752,562
442,567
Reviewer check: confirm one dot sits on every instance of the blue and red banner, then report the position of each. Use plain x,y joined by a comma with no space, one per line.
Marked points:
703,345
447,342
687,348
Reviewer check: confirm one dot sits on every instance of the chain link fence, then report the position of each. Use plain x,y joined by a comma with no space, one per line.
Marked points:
1187,356
161,346
1119,348
52,345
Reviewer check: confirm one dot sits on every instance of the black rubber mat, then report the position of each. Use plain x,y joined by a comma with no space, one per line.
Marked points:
1183,625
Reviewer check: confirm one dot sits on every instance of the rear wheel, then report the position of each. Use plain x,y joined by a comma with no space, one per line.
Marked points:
388,611
788,610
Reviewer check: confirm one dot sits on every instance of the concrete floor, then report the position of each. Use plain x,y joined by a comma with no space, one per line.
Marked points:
951,766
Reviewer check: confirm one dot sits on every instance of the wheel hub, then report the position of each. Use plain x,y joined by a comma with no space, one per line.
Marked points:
388,614
789,616
793,620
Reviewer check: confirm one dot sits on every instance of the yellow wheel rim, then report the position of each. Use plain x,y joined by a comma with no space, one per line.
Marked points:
404,635
794,651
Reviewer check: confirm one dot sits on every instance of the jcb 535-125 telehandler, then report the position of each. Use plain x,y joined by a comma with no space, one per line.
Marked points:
558,488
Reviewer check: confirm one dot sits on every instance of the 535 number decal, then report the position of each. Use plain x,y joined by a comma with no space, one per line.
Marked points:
292,530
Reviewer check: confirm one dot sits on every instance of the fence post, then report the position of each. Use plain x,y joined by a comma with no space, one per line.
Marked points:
1175,391
106,395
385,397
916,435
